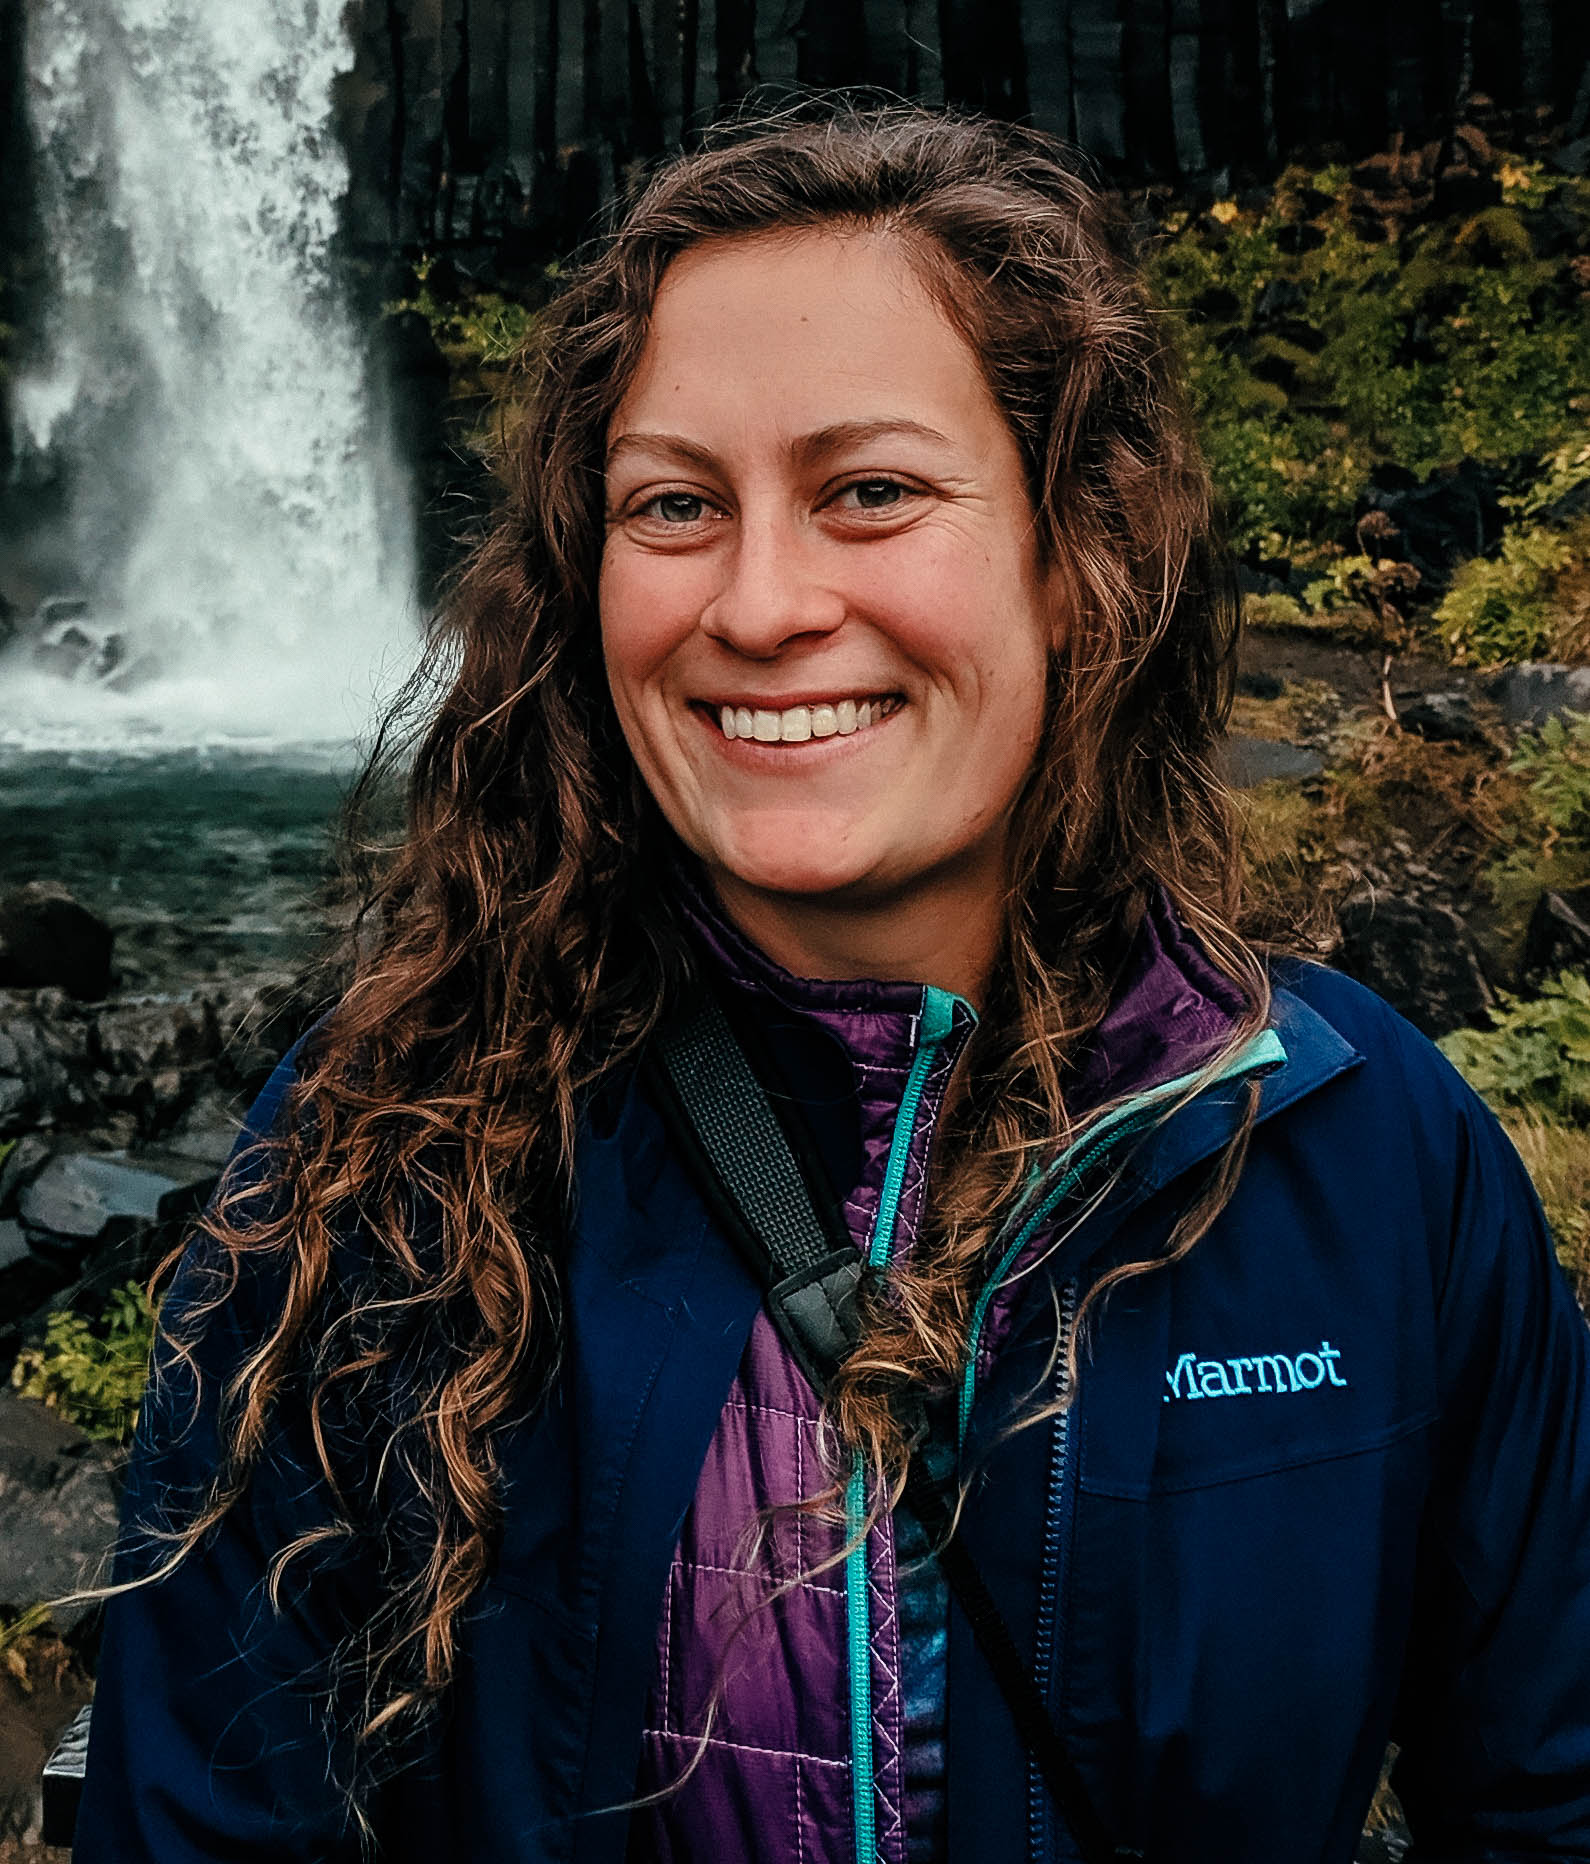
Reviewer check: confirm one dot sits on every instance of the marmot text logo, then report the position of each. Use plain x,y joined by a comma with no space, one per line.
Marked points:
1192,1377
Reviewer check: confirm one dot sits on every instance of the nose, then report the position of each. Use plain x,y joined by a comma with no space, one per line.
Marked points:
777,589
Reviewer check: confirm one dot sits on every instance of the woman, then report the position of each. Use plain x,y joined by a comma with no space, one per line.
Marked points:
852,649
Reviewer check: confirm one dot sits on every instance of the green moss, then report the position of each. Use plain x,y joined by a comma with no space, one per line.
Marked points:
1495,236
1274,611
474,331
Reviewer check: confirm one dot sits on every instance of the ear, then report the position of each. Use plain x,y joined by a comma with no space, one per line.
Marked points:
1057,585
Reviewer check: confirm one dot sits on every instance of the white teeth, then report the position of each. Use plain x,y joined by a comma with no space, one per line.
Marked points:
798,723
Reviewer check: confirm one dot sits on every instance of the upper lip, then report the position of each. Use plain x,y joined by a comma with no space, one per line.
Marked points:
785,702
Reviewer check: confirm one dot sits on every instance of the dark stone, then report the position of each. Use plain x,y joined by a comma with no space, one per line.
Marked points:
1573,158
1557,229
58,1507
79,1193
208,1131
1537,690
26,1159
1574,503
46,938
144,1036
1294,241
1252,761
1280,298
1216,305
1558,936
44,1068
13,1244
1436,524
1420,958
1258,582
1441,715
75,650
1261,685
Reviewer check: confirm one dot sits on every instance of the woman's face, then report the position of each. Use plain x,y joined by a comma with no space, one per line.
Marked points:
824,617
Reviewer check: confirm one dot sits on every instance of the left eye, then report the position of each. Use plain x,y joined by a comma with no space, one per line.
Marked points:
875,494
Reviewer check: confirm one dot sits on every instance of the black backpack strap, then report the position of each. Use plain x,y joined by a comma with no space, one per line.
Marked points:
719,1116
747,1166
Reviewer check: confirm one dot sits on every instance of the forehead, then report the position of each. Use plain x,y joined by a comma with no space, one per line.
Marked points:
795,332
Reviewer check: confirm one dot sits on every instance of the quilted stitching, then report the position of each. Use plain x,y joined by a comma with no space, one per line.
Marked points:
888,1715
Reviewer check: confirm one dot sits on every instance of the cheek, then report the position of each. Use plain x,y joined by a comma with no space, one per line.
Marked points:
644,617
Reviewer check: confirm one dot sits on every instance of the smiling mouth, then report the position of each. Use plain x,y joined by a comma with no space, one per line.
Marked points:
798,724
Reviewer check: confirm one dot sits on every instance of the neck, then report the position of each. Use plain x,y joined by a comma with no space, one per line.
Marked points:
947,935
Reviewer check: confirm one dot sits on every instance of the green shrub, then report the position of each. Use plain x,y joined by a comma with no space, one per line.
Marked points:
477,330
93,1372
1455,342
1500,608
1537,1055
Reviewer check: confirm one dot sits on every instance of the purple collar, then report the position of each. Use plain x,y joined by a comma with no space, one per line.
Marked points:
1170,1012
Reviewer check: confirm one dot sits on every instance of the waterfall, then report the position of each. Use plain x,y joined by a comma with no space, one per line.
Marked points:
229,552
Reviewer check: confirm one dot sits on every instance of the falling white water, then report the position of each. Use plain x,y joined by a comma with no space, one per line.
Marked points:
233,530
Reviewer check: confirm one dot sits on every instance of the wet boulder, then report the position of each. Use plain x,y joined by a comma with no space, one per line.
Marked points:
45,1076
1252,761
1537,690
78,1194
1433,524
48,939
1558,936
1446,716
58,1506
1420,958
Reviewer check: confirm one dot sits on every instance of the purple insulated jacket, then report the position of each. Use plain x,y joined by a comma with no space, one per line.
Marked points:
756,1702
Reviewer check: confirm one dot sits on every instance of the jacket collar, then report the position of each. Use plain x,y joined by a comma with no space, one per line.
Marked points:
1171,1009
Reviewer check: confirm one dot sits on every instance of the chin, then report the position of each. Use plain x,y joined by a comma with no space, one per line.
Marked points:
822,871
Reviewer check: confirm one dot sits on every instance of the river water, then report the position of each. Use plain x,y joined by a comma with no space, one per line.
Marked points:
207,864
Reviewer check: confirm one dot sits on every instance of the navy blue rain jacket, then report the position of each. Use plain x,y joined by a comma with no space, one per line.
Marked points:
1328,1485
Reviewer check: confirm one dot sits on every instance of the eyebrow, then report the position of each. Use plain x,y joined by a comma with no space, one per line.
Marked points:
807,449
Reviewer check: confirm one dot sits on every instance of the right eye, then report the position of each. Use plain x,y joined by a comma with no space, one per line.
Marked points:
671,508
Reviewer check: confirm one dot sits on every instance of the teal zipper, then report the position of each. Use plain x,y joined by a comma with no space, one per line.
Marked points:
1061,1177
935,1023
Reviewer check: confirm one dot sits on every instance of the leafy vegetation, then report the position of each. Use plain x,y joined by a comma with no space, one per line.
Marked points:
1537,1054
1317,356
93,1372
1501,608
474,329
1556,761
1327,345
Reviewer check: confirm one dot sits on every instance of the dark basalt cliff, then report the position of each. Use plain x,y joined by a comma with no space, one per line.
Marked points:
472,121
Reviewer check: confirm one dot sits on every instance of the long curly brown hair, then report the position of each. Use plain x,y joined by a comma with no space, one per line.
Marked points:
520,945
